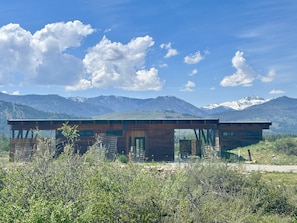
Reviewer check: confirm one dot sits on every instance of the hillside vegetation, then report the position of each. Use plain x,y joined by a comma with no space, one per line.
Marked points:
165,114
10,110
275,150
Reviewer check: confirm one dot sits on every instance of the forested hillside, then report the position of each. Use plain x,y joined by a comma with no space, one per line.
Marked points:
15,111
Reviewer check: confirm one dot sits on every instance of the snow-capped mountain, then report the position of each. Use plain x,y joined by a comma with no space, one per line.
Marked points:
78,99
237,105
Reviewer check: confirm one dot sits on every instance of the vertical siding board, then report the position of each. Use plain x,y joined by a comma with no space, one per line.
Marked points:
161,144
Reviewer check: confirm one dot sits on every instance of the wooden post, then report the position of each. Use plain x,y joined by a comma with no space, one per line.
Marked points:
250,156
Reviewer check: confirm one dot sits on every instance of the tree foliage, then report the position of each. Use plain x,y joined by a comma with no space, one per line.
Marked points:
69,132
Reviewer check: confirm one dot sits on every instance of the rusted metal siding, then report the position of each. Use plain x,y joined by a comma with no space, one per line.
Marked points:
161,144
232,135
21,149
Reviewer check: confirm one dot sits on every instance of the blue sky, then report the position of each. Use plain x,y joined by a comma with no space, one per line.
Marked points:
200,51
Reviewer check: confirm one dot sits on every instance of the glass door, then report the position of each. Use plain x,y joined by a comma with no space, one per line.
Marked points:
139,148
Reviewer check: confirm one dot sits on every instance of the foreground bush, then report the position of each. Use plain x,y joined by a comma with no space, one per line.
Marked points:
87,188
71,190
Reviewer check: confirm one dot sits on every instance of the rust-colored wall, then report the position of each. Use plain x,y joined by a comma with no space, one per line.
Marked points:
241,136
21,149
161,144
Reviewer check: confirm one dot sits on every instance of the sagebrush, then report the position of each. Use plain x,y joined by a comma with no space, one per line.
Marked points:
88,188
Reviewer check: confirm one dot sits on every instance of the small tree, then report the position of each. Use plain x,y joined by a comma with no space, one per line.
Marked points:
70,132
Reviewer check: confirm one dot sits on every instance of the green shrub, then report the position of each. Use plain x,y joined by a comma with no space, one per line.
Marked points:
123,158
4,143
287,145
69,189
230,157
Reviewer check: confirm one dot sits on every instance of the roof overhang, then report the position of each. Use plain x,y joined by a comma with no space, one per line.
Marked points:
170,123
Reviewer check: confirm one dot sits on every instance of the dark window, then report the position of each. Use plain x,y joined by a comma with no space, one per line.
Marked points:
86,133
252,133
156,122
126,122
229,133
73,122
142,122
112,122
101,121
59,133
84,122
114,132
184,122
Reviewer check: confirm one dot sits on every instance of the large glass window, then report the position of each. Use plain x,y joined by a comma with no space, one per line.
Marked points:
139,147
252,133
228,133
114,132
86,133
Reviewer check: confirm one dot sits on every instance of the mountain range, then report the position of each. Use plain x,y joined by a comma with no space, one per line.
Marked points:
238,105
280,111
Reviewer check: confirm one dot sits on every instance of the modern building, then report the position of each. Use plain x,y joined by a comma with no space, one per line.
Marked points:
151,139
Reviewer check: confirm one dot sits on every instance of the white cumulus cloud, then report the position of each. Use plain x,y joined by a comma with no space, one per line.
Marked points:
194,58
145,80
193,72
269,77
276,92
41,58
16,53
163,65
121,65
188,86
170,51
82,85
244,74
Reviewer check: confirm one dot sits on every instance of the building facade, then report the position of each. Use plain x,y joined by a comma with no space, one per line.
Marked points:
152,139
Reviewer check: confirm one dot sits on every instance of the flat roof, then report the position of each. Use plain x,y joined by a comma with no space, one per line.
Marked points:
89,119
11,121
167,121
44,122
245,122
